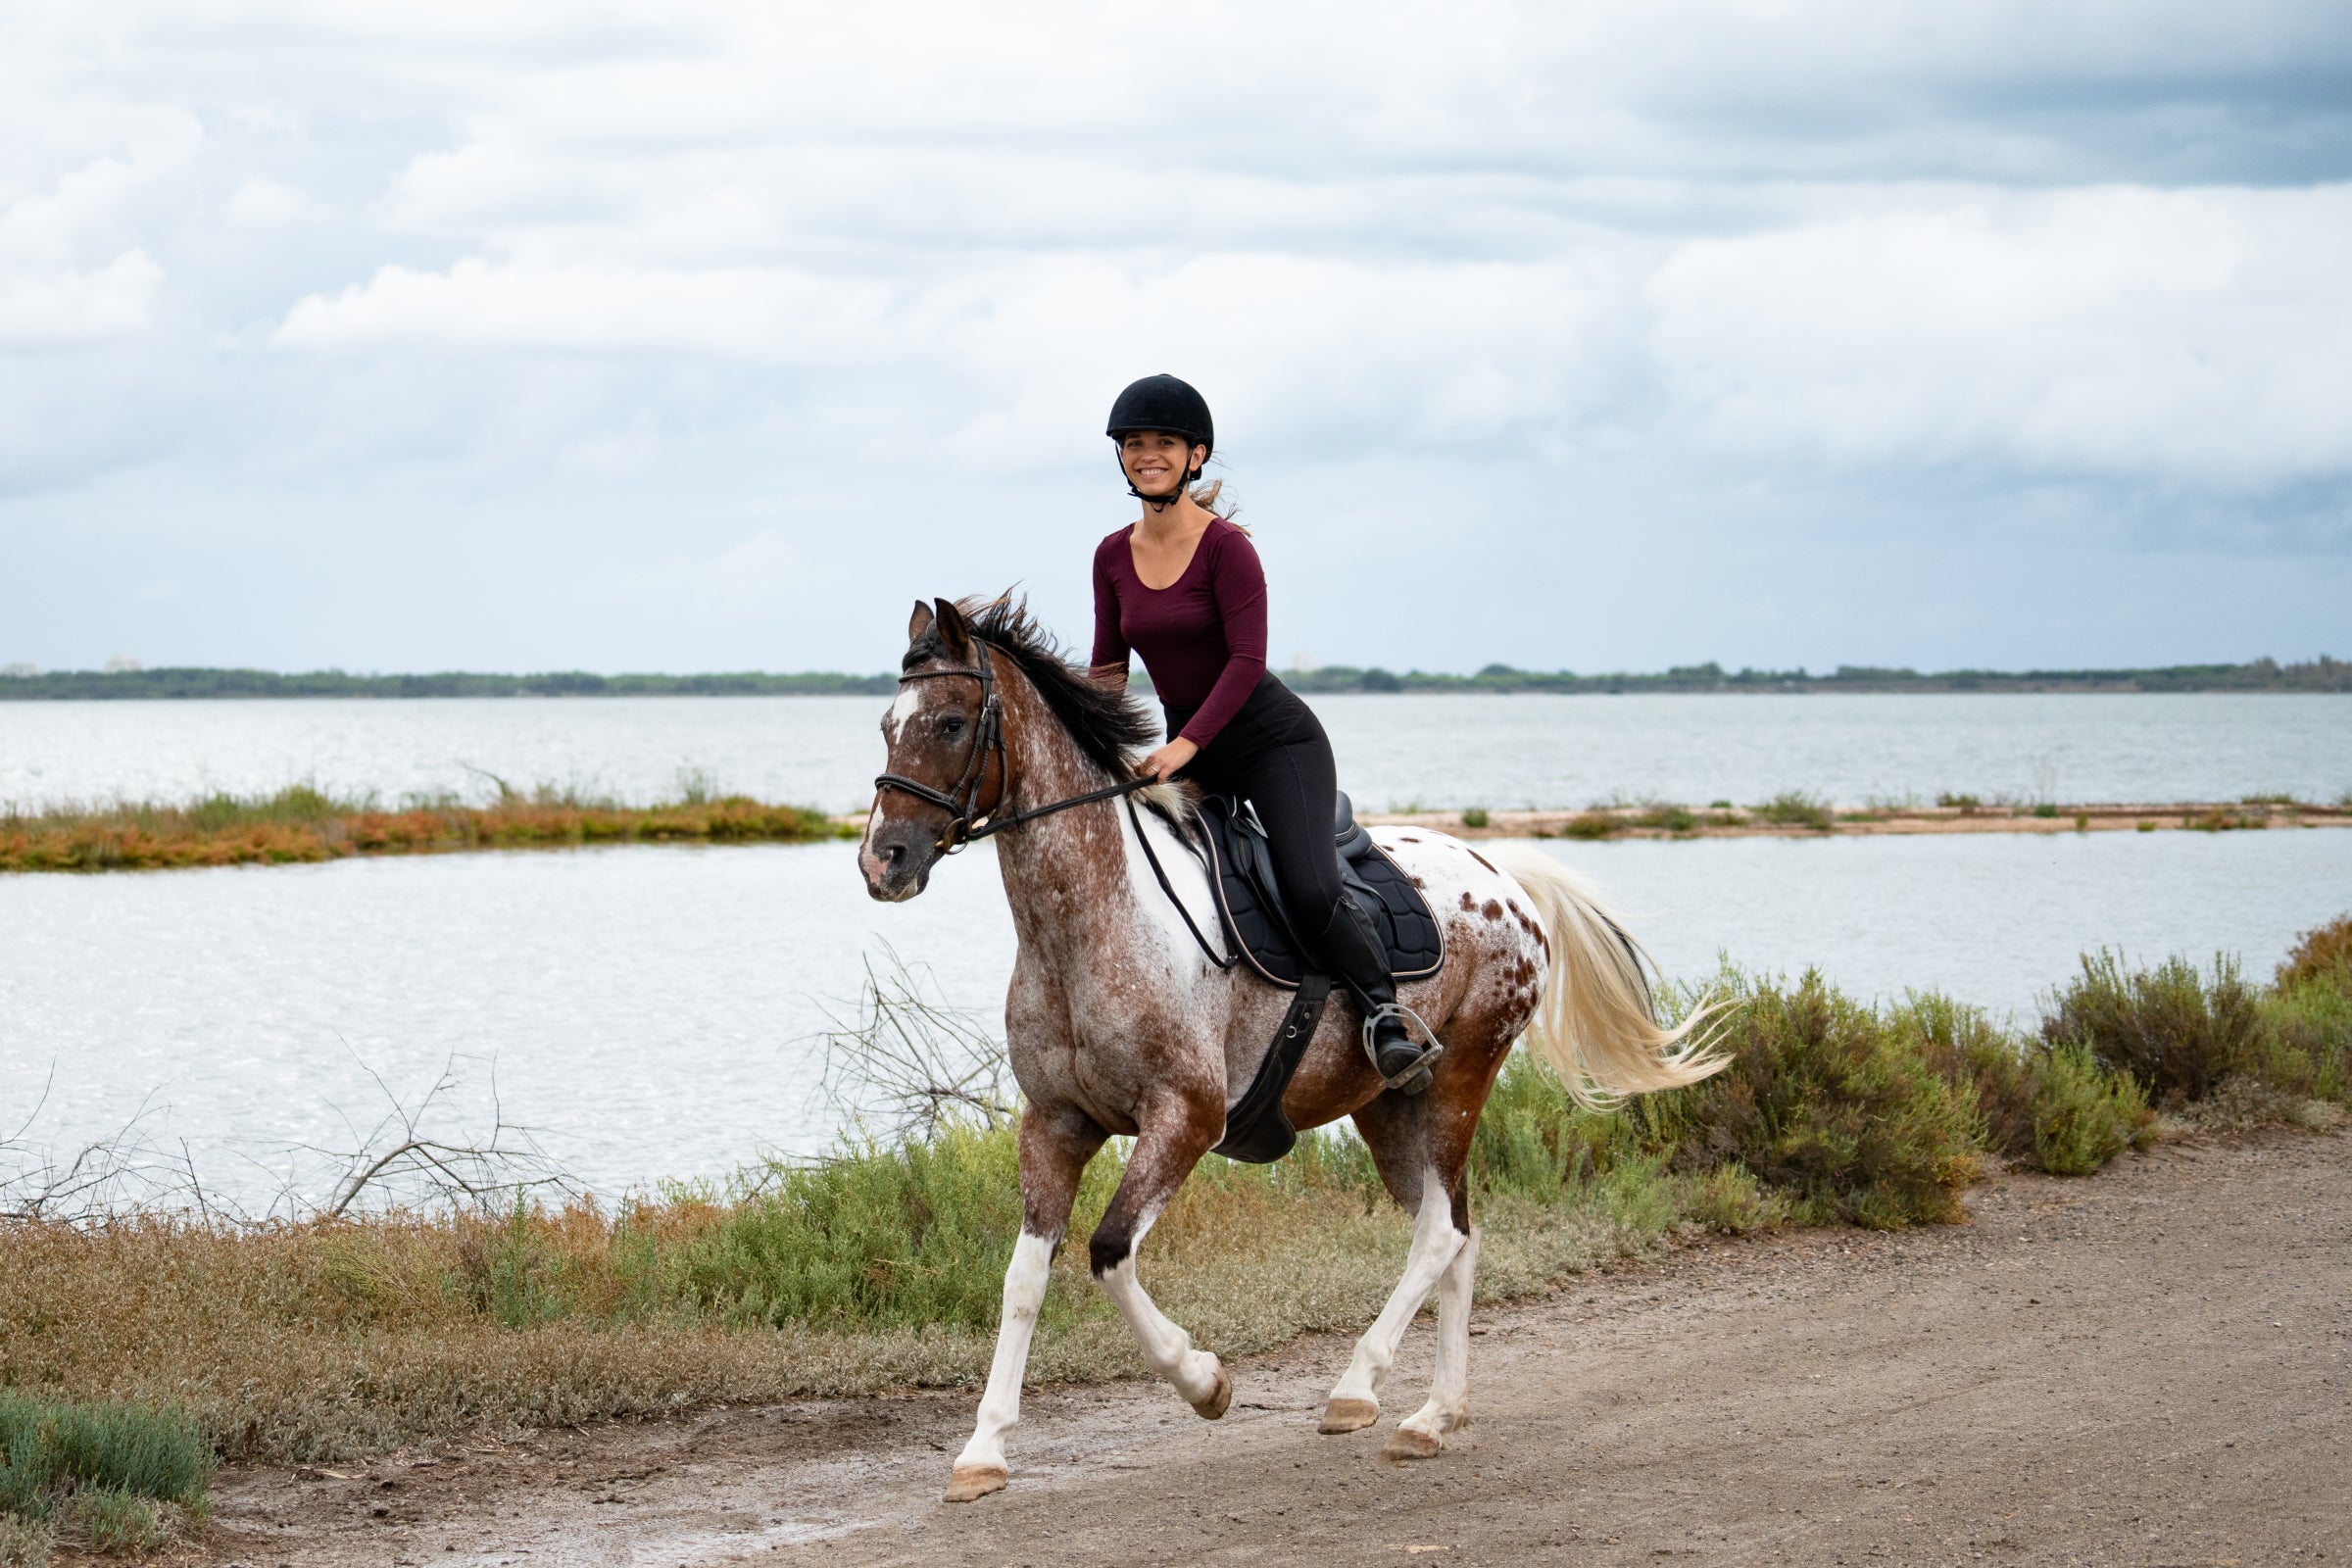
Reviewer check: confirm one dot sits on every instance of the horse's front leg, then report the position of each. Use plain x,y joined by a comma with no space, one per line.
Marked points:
1055,1146
1169,1143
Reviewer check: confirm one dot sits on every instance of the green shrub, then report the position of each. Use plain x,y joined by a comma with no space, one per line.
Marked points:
1966,1048
23,1542
2084,1114
1728,1199
2166,1026
100,1468
2322,952
1796,808
1827,1102
1476,816
1965,804
120,1520
899,1236
2304,1046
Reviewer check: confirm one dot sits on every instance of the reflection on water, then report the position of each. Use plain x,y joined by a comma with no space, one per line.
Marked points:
647,1007
1444,752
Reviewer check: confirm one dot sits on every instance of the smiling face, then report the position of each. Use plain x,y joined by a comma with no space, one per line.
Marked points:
1156,461
929,735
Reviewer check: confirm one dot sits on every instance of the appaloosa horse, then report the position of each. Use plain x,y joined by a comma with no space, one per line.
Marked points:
1117,1022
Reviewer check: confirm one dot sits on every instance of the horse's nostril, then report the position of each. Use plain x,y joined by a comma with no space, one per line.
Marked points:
894,854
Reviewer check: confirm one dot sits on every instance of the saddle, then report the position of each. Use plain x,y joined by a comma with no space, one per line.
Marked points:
1260,931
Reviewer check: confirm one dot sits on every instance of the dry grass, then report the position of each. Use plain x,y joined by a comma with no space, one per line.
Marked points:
316,1342
300,823
881,1267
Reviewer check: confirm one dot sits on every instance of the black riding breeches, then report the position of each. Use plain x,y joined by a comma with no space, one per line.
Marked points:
1274,754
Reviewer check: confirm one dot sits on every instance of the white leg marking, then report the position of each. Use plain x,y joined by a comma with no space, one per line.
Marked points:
1000,1407
1448,1406
1434,1244
1168,1350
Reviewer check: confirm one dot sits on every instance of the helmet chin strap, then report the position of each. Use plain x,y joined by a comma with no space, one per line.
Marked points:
1162,502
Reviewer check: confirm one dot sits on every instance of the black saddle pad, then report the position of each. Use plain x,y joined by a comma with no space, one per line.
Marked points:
1262,932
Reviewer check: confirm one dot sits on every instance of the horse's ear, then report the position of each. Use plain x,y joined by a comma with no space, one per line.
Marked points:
919,622
953,629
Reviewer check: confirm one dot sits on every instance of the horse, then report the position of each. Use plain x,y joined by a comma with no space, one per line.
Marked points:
1119,1022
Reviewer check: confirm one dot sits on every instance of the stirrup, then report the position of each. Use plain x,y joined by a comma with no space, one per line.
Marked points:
1426,1063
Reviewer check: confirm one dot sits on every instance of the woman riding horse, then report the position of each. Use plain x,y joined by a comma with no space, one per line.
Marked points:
1183,587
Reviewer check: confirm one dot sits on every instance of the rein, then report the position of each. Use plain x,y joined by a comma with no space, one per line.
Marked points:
962,801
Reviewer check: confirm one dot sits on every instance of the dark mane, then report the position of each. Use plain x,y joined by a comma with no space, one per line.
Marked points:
1108,725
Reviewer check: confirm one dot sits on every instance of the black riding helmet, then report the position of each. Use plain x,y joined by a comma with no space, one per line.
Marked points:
1163,402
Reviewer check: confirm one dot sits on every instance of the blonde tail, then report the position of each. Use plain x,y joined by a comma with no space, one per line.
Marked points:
1597,1025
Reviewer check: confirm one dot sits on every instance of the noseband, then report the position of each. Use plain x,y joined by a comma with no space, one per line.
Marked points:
962,801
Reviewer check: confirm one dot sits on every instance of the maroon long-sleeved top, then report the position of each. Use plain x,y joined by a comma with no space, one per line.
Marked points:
1202,637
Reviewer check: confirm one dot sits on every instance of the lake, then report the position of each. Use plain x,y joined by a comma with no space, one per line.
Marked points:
648,1008
1394,751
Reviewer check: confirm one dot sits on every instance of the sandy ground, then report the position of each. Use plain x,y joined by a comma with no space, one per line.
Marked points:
2146,1367
2201,816
1707,825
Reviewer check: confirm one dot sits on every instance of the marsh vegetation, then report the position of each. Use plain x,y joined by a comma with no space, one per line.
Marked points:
302,824
881,1266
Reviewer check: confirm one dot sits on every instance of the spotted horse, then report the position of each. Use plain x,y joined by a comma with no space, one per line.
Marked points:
1119,1021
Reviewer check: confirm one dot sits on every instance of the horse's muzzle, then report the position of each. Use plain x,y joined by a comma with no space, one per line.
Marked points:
896,858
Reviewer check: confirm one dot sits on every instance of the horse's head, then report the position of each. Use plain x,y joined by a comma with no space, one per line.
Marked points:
946,764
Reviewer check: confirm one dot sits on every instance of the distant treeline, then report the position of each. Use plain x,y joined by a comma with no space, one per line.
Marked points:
2322,674
161,683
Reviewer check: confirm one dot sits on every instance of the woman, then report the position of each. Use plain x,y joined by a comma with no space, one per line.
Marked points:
1183,587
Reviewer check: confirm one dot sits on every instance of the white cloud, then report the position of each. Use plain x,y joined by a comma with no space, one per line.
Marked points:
2200,335
51,308
264,204
766,313
1724,264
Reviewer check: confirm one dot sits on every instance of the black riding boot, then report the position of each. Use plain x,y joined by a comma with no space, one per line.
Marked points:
1355,952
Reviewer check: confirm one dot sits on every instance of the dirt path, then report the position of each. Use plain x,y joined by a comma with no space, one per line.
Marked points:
2148,1368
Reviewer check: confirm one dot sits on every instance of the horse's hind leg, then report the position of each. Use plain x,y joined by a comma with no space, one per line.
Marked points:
1428,1176
1423,1434
1165,1152
1054,1149
1355,1401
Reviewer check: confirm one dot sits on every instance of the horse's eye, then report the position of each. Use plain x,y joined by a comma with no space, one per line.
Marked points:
950,725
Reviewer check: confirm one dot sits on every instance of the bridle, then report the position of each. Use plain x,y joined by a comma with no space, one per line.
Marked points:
962,801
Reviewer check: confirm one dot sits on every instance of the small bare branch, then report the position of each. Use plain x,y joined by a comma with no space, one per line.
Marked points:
905,1055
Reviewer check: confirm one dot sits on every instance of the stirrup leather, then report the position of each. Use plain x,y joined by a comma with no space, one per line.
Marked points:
1431,1053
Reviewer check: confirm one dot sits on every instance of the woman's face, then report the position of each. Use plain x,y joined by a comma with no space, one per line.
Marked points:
1155,461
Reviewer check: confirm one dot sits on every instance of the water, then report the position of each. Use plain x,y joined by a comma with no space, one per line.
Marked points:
1393,751
647,1008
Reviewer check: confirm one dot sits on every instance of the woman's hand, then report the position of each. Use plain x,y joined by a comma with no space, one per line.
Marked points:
1163,763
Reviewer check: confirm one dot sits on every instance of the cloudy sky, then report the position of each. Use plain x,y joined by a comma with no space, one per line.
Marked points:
550,333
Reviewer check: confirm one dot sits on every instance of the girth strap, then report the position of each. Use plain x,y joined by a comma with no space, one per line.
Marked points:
1257,1132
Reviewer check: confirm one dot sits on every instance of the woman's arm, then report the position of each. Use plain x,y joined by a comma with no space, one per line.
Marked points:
1108,665
1238,582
